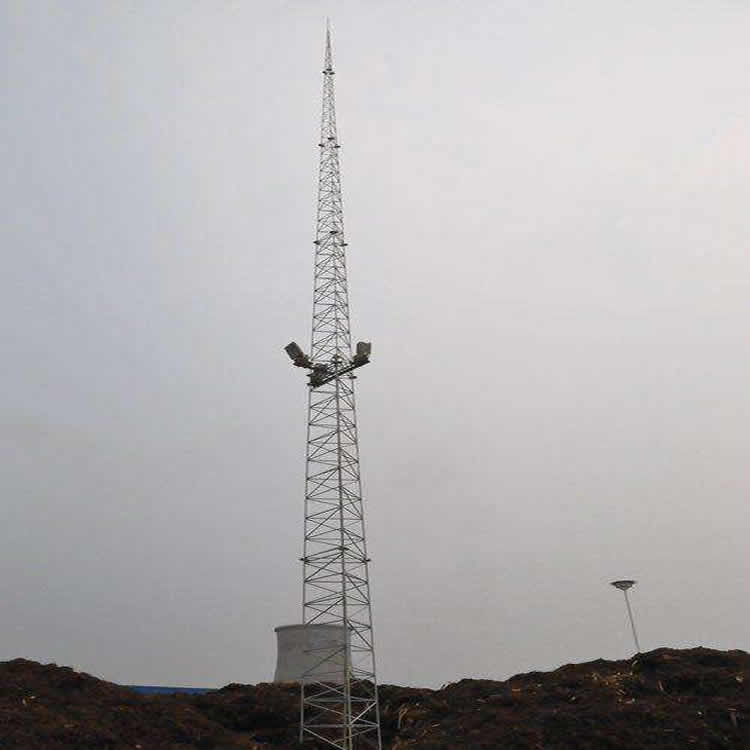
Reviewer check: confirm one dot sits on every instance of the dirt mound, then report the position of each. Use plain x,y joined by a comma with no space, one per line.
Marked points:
46,706
696,698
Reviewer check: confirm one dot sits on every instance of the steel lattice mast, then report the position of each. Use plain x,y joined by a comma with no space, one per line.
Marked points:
339,698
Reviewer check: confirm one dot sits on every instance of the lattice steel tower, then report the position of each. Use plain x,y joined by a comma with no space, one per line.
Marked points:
339,696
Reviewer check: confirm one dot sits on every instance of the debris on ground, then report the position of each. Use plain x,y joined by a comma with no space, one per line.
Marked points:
694,698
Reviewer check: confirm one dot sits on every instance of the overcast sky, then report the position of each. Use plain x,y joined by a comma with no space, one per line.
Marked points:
547,215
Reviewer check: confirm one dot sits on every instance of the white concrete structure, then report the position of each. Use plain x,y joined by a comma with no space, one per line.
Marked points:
308,650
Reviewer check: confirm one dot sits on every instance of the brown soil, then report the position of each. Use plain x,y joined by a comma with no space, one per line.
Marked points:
696,698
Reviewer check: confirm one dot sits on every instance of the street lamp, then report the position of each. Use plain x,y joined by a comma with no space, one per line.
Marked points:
624,585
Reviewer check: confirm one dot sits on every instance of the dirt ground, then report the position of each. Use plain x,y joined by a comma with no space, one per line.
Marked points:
695,698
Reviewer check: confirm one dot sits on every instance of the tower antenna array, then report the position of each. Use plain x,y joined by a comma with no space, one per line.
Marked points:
339,695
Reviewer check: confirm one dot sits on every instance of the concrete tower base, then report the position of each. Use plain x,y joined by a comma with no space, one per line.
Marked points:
302,648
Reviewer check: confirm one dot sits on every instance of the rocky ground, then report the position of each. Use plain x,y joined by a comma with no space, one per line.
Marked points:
696,698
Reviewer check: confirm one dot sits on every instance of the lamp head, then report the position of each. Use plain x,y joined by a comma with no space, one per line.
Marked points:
293,351
298,357
623,585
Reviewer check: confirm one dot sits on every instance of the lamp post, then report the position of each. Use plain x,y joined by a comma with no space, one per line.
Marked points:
624,586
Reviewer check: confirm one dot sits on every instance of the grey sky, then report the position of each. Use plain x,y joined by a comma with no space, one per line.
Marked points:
546,206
